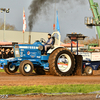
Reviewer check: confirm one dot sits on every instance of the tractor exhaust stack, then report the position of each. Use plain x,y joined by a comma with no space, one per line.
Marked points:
29,38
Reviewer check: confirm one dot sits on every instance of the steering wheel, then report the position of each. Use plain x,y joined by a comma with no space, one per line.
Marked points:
42,40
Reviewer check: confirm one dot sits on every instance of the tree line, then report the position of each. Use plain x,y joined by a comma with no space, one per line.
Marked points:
8,26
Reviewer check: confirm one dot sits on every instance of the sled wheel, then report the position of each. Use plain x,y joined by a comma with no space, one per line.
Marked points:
88,70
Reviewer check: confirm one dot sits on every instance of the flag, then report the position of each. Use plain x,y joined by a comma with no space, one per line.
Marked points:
57,24
73,42
54,27
24,21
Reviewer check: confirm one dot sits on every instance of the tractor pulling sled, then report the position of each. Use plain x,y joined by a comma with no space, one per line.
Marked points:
59,61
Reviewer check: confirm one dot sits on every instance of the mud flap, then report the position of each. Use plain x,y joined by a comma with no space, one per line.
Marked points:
78,65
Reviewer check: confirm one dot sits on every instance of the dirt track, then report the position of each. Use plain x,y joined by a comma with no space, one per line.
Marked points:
18,79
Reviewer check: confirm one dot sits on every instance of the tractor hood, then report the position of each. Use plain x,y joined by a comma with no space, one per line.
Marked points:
30,46
28,50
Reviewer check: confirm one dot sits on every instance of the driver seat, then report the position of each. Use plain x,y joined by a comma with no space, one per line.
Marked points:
52,46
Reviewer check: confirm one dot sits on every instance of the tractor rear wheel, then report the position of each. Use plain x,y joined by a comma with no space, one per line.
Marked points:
10,68
39,71
26,68
61,62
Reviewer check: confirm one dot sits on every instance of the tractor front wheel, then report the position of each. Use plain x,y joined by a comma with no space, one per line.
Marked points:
26,68
10,69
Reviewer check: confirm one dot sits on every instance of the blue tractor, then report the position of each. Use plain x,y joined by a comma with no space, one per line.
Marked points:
29,57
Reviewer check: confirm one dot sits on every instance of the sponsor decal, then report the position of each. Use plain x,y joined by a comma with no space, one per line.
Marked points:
28,53
32,56
38,56
22,49
28,47
62,64
94,66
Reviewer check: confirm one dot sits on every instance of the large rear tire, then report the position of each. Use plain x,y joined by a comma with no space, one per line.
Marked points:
26,68
61,62
10,69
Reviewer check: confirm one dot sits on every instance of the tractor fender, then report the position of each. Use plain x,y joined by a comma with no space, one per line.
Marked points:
51,50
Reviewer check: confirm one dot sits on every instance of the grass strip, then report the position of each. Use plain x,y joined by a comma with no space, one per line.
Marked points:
1,70
49,89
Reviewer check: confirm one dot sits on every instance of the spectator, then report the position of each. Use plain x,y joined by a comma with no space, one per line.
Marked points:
3,52
12,49
0,54
6,55
11,54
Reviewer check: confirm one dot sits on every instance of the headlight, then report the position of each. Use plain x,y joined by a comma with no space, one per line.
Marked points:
40,47
17,54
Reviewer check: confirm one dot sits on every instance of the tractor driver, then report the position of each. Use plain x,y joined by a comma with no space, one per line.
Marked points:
48,44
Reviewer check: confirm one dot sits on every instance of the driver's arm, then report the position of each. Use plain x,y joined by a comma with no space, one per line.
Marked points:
50,41
44,41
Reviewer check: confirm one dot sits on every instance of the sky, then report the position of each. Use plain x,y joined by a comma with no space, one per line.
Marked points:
71,18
